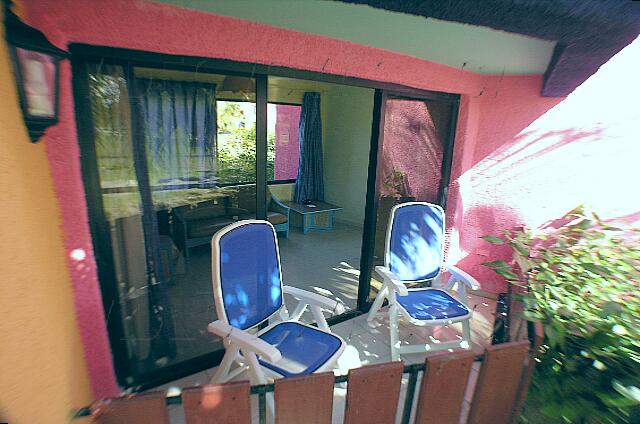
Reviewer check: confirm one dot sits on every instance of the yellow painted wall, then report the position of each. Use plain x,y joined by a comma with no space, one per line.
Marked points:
42,368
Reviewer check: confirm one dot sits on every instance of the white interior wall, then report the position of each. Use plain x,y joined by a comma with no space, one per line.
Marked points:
346,141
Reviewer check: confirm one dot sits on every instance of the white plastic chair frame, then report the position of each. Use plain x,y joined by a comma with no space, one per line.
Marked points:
392,286
242,347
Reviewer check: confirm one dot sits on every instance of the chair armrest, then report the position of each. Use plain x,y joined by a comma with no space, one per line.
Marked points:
458,275
245,341
278,206
323,302
392,280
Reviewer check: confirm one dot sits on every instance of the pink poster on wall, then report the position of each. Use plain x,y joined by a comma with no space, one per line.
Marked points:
287,146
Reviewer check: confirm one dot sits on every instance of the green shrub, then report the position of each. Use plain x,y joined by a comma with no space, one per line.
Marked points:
581,280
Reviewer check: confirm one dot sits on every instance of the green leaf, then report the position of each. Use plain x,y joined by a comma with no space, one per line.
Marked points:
524,263
506,273
492,239
596,269
630,392
611,308
497,265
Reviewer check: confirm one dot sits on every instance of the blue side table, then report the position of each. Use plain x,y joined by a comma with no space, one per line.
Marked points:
308,214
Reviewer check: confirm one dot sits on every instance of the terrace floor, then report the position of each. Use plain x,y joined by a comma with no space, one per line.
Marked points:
367,345
327,263
324,262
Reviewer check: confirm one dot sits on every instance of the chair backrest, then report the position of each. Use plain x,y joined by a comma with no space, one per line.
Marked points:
247,282
415,241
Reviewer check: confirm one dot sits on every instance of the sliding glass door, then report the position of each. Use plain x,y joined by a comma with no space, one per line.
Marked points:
170,156
173,159
415,147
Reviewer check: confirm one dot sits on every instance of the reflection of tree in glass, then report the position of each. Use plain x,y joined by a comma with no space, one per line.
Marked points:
110,113
230,117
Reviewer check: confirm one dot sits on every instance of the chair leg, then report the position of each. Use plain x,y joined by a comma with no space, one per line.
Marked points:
466,334
257,377
316,311
377,304
186,255
255,370
393,333
225,365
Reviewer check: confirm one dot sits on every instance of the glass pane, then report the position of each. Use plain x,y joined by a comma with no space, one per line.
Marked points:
165,194
410,169
236,146
322,251
122,207
200,143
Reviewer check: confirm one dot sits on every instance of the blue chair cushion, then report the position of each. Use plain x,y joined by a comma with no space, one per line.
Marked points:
304,349
431,304
416,241
250,274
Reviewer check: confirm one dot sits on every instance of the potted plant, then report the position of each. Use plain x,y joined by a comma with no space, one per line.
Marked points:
395,186
394,190
581,279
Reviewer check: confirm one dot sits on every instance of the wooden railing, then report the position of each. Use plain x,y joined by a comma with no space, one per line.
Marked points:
373,394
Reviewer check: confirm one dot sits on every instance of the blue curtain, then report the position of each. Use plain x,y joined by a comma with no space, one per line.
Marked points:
180,126
179,122
309,183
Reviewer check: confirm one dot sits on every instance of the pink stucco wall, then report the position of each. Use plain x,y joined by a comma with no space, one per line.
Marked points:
285,166
414,137
511,144
534,160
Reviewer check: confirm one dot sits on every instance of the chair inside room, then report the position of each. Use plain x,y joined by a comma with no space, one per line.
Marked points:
277,212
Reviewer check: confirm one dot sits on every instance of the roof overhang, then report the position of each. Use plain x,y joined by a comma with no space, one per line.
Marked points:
588,32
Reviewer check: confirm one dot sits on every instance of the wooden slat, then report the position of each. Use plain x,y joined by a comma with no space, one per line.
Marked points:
496,390
227,403
133,409
372,394
529,367
443,387
306,399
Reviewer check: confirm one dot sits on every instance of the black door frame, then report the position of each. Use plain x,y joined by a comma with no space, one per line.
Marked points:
81,54
375,156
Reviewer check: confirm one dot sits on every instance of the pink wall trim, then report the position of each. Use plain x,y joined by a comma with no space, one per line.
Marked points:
482,124
64,157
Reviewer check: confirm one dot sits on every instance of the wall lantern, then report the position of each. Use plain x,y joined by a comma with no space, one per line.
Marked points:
36,69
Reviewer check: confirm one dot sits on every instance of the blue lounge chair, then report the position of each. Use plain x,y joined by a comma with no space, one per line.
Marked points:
248,291
414,254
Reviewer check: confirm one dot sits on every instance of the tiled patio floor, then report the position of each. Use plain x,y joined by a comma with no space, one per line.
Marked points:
367,345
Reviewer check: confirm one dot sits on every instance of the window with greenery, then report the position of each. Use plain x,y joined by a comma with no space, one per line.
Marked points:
236,146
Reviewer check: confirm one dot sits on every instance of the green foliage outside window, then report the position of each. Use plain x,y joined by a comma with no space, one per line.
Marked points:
581,280
236,149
